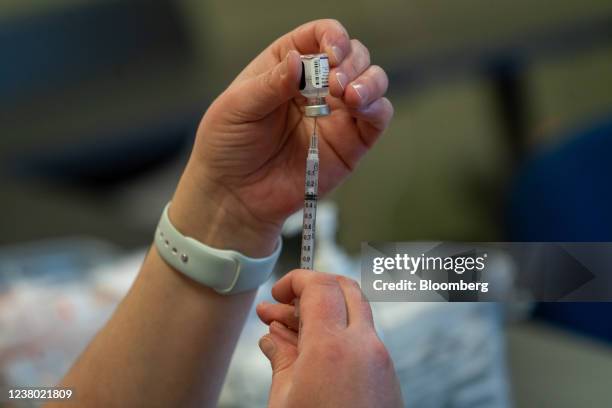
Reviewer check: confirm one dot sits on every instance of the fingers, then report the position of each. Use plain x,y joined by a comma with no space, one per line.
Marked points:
367,88
352,78
317,36
280,351
373,119
279,312
256,97
322,305
316,292
284,332
358,308
351,67
360,88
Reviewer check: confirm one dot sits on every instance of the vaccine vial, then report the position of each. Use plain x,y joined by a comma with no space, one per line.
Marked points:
314,84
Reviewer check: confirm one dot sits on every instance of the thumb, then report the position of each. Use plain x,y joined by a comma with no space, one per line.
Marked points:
259,96
280,353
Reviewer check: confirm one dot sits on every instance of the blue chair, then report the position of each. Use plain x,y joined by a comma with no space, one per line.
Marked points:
564,194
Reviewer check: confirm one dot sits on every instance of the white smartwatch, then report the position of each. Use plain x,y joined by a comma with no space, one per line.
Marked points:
226,271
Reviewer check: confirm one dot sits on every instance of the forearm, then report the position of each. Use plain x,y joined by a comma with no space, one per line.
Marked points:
171,339
169,343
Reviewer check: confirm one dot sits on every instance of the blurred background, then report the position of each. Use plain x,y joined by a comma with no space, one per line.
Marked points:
502,131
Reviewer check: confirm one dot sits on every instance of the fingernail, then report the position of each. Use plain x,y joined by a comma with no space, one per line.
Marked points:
337,53
342,79
267,346
278,325
361,92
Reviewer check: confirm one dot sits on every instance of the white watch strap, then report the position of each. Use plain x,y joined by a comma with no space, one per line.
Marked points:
226,271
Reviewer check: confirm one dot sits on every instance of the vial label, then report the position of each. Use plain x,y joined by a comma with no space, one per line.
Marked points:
320,73
315,75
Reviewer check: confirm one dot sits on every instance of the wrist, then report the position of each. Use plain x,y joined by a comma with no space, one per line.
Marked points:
214,215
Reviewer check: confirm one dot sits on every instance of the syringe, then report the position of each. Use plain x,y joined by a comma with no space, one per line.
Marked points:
310,202
314,85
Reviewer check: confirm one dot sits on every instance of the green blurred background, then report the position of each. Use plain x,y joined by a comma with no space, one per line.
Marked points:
446,143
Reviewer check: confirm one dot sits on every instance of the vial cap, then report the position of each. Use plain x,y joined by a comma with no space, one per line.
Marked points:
316,110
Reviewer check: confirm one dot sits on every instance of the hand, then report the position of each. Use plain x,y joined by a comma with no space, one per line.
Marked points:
246,172
337,360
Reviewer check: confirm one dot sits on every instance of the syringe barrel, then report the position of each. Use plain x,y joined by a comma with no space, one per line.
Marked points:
308,232
310,210
312,174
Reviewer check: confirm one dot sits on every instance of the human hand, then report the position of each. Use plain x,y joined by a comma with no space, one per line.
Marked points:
246,171
337,360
